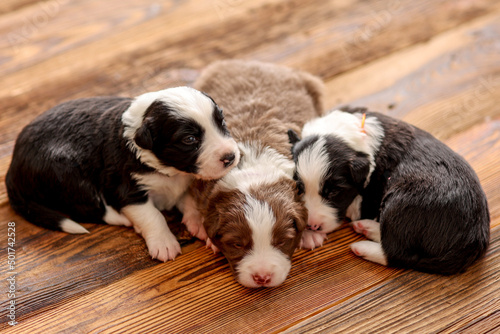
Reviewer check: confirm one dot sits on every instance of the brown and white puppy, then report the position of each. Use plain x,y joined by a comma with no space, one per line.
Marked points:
254,215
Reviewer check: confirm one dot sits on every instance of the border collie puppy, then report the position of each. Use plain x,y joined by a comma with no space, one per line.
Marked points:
254,215
120,161
419,203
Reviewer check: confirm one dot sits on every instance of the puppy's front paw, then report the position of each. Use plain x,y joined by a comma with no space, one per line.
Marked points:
211,245
194,224
369,228
163,247
369,250
312,239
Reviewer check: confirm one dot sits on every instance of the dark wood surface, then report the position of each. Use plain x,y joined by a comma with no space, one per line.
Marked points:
435,64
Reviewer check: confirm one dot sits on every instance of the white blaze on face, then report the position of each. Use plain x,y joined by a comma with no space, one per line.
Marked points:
312,168
187,103
347,127
264,265
215,145
313,162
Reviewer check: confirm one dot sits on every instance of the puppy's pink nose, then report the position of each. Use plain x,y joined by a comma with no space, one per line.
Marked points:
262,279
313,225
228,159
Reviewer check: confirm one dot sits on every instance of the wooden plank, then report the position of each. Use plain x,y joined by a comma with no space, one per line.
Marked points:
75,73
419,303
4,165
480,146
359,25
9,6
54,267
194,293
132,26
443,86
147,47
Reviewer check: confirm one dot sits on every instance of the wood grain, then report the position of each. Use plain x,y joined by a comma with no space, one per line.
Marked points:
186,287
432,63
432,303
128,53
443,86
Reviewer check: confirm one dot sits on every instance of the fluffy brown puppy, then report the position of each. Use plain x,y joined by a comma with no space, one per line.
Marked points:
254,215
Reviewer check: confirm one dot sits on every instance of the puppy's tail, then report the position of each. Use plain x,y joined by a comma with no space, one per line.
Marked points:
42,216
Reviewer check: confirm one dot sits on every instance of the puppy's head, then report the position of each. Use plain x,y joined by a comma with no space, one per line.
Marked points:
330,175
180,130
257,230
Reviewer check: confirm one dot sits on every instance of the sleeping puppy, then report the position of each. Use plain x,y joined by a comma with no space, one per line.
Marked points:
120,161
253,215
419,202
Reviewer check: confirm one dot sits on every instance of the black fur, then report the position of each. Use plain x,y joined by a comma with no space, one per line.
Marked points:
173,140
72,158
345,176
433,212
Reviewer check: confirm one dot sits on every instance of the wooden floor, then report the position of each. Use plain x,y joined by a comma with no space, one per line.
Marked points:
433,63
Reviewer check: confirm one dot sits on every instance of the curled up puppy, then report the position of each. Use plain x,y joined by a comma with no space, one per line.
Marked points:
420,204
119,161
254,215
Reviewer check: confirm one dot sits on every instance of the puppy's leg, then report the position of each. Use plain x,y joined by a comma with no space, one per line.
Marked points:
151,224
112,217
211,245
312,239
370,250
192,218
369,228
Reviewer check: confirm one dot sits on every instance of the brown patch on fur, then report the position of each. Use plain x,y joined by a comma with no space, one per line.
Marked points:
262,101
291,215
226,225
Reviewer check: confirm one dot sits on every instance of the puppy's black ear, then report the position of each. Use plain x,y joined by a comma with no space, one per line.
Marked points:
146,133
360,166
209,97
293,137
143,137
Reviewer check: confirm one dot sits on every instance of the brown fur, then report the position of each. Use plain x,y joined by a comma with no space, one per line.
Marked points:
232,235
290,212
261,102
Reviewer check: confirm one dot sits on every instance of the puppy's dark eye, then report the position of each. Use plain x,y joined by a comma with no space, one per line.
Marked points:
300,187
190,140
299,183
329,190
238,245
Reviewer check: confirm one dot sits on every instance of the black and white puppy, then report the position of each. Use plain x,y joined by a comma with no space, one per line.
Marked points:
419,202
120,161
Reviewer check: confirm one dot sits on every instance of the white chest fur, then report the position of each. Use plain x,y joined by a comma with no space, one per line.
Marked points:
165,191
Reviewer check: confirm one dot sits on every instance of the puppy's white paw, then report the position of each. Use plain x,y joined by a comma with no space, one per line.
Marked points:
194,224
369,250
212,246
369,228
163,247
312,239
